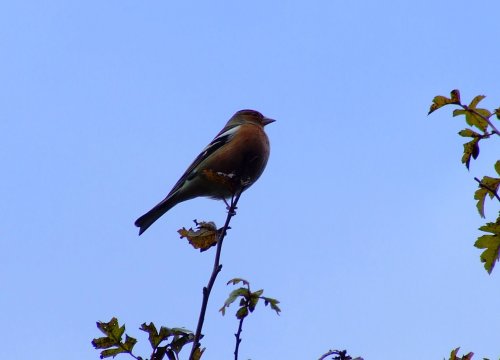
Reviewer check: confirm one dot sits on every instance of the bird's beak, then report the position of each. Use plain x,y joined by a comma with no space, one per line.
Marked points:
267,121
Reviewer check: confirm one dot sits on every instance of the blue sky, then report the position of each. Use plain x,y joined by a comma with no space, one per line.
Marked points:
362,224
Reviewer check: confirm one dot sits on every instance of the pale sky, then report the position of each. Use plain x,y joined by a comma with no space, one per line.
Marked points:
362,225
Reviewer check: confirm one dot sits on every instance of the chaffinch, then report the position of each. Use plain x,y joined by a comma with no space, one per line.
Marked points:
230,164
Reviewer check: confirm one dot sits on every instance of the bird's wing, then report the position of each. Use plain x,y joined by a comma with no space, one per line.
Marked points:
219,141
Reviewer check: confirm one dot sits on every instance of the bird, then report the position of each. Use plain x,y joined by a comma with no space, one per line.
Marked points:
230,164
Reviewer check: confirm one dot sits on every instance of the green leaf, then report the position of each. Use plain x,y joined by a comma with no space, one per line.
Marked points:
458,112
254,299
181,340
273,303
491,243
497,167
489,186
453,354
242,312
475,118
440,101
112,352
111,329
468,133
154,339
104,342
129,343
471,149
497,113
232,297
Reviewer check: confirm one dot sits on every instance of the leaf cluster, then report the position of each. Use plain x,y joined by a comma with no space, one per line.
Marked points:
483,122
248,299
113,343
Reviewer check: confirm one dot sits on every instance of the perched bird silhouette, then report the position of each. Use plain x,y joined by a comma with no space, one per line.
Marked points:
230,164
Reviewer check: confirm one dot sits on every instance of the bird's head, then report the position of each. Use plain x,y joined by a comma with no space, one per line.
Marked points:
250,116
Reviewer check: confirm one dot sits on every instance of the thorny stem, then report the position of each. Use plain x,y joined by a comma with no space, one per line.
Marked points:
487,188
216,269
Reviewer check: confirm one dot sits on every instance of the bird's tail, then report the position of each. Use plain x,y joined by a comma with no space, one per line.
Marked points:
146,220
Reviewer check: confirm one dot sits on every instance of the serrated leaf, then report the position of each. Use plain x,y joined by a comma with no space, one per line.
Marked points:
471,149
242,313
491,243
154,339
273,303
468,133
475,101
111,329
129,343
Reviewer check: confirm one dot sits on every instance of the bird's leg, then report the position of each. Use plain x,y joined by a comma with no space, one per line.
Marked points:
231,209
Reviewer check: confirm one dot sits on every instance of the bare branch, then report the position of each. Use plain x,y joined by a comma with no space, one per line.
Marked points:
216,269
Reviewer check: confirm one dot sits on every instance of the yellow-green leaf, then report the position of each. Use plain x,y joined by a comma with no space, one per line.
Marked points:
475,101
440,101
468,133
112,352
488,186
476,118
491,243
497,167
471,149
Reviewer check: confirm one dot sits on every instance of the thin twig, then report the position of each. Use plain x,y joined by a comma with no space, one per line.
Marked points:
216,269
487,188
341,355
238,338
